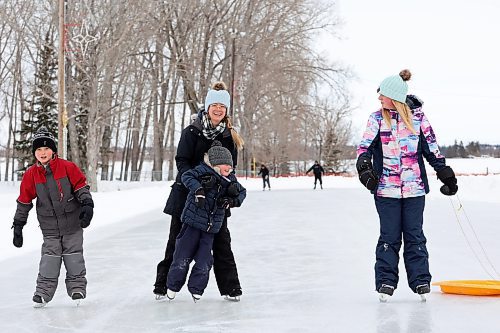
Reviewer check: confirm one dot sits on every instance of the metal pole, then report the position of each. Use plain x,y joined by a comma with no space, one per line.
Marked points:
60,78
62,116
320,146
233,62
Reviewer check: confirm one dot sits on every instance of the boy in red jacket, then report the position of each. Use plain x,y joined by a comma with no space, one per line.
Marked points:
64,206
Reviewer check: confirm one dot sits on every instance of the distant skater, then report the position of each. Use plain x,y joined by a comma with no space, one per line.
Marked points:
264,172
317,170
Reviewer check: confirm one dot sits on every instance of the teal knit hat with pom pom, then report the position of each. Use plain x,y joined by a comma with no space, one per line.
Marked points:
395,87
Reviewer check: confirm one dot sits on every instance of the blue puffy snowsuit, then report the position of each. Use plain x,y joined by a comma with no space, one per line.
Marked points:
196,237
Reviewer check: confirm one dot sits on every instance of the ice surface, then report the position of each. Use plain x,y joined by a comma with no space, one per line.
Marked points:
305,259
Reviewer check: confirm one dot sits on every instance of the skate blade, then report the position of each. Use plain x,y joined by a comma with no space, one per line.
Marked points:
160,298
195,298
423,298
232,299
77,302
383,298
39,305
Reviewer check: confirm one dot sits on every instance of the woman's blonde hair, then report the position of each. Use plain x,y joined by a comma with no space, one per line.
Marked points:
405,113
238,140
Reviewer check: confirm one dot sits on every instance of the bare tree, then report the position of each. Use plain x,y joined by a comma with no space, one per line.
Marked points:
137,71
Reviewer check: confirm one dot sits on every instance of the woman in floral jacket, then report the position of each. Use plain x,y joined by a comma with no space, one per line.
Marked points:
397,139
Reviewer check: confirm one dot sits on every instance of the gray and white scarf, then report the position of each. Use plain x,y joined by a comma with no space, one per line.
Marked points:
208,130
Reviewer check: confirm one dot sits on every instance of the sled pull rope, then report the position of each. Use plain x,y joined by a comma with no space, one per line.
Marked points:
456,211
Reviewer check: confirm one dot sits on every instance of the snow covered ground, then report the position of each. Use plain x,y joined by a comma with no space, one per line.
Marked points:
305,259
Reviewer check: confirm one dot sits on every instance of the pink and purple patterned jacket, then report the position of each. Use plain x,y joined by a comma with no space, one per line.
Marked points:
398,154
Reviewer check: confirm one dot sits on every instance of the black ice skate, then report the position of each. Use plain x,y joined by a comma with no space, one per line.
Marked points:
234,295
384,292
423,289
38,301
160,292
77,297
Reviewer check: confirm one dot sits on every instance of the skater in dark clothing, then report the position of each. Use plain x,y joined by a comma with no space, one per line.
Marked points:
64,206
318,170
211,124
397,138
264,172
212,189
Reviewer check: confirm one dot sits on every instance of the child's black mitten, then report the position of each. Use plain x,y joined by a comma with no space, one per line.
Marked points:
18,233
86,213
199,198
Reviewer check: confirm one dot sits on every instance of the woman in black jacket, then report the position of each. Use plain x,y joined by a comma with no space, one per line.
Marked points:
195,141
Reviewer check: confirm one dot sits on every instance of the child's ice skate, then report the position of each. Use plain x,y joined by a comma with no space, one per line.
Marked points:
384,292
423,289
196,297
38,301
170,294
77,297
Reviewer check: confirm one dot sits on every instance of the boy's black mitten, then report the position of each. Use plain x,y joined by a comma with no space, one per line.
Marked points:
226,202
367,175
86,213
18,233
199,198
208,181
447,176
232,190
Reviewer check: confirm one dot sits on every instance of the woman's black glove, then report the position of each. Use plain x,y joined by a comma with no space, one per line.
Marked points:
86,212
447,176
367,175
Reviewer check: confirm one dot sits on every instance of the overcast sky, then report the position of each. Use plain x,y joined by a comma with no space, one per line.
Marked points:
450,47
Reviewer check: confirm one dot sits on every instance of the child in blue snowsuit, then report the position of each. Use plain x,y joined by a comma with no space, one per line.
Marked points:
212,190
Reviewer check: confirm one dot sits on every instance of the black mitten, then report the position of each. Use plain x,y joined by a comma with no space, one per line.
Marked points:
199,198
232,190
447,176
18,233
367,175
226,202
86,212
208,181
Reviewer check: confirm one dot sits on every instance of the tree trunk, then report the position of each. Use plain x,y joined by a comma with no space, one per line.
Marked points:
136,125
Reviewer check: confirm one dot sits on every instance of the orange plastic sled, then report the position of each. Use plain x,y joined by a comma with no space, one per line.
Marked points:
470,287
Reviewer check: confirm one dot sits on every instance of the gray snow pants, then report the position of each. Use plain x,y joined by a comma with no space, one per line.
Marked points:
67,248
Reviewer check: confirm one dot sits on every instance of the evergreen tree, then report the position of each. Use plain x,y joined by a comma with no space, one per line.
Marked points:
42,109
461,150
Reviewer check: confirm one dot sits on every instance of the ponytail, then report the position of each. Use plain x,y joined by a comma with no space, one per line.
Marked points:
238,140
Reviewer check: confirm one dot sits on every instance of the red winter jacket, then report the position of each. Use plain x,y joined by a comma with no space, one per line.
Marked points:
59,188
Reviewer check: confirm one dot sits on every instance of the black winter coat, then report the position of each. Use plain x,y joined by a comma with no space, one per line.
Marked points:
317,170
190,152
264,171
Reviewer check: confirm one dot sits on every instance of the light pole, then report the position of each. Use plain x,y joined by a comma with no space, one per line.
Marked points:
233,34
320,143
320,146
62,115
